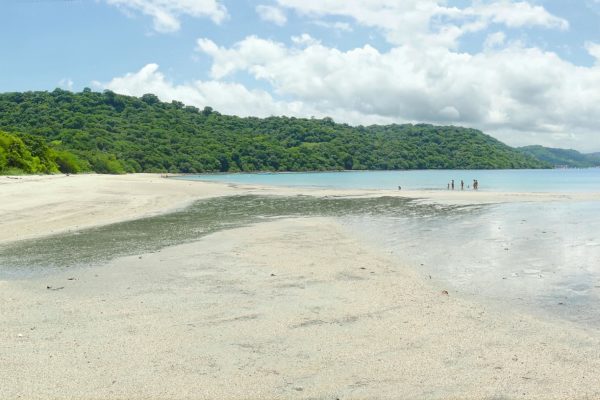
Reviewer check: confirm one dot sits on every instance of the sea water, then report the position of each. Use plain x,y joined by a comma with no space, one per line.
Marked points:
547,180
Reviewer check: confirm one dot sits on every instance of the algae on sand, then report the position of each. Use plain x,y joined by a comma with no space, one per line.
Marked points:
100,244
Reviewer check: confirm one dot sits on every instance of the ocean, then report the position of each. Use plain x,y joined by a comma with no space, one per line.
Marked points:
547,180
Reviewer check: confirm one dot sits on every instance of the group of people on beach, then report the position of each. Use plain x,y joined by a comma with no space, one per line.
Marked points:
462,185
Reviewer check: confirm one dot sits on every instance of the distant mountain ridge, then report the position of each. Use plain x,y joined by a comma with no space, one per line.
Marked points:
111,133
562,157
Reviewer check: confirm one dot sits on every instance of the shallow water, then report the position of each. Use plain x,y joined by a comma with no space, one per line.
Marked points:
549,180
92,246
541,256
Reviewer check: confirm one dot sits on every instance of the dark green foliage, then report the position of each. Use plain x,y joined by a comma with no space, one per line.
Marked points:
106,164
562,157
69,163
111,133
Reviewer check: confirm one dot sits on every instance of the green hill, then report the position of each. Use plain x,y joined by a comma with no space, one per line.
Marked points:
562,157
595,157
110,133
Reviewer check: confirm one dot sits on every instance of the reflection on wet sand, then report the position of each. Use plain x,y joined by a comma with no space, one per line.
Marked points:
204,217
542,256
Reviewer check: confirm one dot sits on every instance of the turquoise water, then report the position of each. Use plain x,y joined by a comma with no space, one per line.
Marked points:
550,180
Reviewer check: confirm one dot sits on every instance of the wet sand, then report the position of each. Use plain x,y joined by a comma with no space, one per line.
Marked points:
296,308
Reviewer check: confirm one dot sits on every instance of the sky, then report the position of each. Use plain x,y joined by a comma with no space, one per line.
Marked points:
523,71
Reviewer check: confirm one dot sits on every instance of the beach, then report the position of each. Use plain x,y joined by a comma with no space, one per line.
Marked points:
40,205
288,308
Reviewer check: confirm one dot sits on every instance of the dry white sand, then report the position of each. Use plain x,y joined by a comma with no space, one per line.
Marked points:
33,206
295,308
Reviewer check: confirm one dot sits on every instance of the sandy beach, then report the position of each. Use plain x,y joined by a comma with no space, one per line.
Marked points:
292,308
35,206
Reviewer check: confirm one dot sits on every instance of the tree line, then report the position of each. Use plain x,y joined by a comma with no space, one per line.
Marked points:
562,157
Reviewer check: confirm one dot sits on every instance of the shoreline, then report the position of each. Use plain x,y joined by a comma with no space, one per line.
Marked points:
37,206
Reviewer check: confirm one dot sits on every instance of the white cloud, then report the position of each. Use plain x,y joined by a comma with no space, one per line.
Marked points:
495,39
305,40
429,22
66,83
593,50
516,14
166,13
271,14
252,54
225,97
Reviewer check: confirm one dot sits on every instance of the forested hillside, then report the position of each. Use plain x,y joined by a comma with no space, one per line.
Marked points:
110,133
562,157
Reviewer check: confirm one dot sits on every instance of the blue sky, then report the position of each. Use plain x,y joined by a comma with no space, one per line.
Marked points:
524,71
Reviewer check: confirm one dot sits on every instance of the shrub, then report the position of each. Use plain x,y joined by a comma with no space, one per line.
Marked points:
69,163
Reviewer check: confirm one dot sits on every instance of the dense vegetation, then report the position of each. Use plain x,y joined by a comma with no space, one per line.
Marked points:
562,157
110,133
32,155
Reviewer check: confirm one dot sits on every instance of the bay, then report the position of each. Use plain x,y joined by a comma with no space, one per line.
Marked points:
546,180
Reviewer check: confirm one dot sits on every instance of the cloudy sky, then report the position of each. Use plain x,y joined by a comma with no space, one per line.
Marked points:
524,71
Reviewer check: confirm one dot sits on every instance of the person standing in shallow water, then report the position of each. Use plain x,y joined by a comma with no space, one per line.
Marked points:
462,185
452,184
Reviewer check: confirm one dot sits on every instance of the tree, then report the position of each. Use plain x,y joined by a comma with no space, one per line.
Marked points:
150,99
